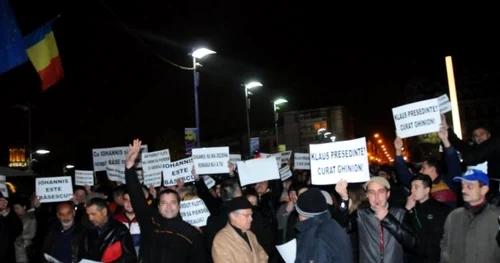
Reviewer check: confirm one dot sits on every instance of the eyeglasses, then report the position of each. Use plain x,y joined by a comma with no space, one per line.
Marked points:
245,215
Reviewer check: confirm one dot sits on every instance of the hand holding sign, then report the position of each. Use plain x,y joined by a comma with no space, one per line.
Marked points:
133,152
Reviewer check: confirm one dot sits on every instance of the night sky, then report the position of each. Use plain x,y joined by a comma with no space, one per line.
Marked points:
115,89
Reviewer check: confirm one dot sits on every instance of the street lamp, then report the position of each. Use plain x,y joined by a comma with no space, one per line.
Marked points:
248,86
39,152
67,167
198,54
276,108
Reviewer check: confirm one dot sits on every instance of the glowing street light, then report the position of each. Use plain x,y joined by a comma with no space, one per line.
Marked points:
201,52
248,86
42,151
198,54
276,108
70,166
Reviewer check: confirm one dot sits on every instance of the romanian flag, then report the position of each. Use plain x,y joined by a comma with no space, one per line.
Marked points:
43,53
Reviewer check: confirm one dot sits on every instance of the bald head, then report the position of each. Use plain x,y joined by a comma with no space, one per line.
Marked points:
66,214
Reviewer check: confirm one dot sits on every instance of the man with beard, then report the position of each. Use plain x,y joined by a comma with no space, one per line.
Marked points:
64,240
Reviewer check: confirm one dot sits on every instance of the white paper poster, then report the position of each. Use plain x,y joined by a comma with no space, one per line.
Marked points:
83,178
178,169
54,189
285,173
3,186
331,162
417,118
155,162
194,212
113,156
258,170
152,179
212,160
301,161
288,251
116,173
444,104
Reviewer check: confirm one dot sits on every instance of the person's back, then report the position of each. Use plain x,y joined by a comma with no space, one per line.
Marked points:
320,238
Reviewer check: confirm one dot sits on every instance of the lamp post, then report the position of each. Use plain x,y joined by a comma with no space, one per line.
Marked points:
30,161
67,167
276,108
249,86
198,54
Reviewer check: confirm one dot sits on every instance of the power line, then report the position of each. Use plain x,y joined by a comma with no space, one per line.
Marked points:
142,42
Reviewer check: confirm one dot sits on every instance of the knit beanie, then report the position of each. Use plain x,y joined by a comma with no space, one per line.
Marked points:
311,203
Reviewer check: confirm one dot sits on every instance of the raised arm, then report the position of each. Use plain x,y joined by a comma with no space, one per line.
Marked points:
141,208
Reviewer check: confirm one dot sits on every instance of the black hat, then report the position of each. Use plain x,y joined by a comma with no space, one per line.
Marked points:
311,203
238,203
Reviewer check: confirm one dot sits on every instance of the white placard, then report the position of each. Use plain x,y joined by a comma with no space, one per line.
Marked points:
212,160
258,170
88,261
275,155
301,161
285,157
83,178
417,118
331,162
54,189
209,181
178,169
483,167
155,162
194,212
3,186
288,251
51,259
234,158
444,104
285,173
113,156
116,173
152,179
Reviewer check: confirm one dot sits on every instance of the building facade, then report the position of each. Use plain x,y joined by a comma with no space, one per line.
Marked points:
301,127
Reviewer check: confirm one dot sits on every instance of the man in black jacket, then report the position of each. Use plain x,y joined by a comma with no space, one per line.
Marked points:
111,240
65,238
381,229
426,218
165,237
10,227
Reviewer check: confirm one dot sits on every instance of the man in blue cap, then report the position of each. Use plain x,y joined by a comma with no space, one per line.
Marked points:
470,232
10,228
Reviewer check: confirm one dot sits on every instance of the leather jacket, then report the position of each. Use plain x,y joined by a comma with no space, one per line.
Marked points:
98,240
394,236
77,237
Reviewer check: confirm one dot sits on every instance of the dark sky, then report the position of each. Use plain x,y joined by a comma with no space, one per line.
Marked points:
115,89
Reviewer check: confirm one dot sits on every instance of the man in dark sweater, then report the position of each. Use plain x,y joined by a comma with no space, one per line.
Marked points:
165,237
426,218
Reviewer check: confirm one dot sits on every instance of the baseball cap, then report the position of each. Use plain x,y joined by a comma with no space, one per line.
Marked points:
380,180
473,175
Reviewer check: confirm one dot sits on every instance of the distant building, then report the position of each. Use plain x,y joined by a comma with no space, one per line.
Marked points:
301,127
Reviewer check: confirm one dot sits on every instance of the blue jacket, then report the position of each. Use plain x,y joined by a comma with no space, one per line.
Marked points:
322,239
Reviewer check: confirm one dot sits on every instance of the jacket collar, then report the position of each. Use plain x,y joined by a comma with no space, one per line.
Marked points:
475,211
